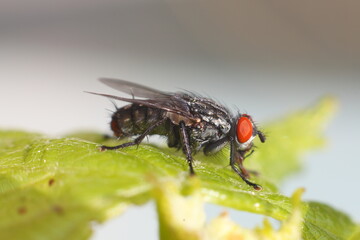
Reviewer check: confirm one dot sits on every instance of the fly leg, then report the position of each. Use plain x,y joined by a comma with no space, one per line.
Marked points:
240,158
245,171
186,146
137,140
236,165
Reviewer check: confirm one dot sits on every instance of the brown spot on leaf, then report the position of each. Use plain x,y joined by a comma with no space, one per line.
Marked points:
51,182
22,210
58,209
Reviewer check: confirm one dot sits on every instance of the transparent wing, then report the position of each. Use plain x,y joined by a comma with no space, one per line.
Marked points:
171,103
134,89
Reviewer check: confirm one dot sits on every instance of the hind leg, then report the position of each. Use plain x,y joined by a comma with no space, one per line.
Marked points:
137,140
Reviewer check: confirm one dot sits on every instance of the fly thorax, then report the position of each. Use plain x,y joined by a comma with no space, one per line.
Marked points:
210,129
217,123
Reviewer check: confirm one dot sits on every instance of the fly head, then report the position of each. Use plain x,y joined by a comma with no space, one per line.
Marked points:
246,131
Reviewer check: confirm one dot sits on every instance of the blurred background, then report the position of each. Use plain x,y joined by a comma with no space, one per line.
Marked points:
268,58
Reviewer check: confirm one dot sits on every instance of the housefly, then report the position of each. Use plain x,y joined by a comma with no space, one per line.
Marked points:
189,121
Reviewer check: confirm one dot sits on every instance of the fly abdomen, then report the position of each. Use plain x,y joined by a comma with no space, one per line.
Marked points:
134,119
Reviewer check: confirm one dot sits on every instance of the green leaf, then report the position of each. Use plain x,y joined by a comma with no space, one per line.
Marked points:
55,188
289,138
356,234
323,221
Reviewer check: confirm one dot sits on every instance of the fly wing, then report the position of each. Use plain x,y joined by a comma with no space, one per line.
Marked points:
171,103
134,89
156,99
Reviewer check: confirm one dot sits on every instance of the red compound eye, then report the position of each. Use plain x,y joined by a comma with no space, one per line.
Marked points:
244,129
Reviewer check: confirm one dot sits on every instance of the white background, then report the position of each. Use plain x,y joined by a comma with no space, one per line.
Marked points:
265,57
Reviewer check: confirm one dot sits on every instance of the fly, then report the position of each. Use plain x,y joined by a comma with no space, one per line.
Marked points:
190,122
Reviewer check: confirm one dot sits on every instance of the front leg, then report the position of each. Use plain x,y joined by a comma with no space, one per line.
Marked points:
241,159
236,165
186,146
